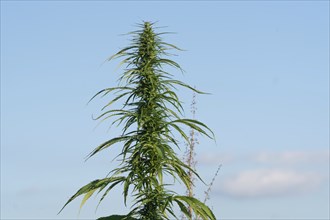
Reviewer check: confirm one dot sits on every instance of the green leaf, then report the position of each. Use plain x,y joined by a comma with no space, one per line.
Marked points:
86,197
108,144
107,90
194,125
177,82
183,208
96,184
120,53
198,207
109,189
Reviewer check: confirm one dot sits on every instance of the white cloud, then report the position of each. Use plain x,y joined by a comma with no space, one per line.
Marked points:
292,157
266,157
268,183
278,173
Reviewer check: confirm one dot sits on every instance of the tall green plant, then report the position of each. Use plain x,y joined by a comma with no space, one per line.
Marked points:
151,115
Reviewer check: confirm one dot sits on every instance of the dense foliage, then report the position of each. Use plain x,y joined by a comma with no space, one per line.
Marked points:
151,116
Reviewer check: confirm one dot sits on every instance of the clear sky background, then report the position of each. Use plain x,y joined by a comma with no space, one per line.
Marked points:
266,64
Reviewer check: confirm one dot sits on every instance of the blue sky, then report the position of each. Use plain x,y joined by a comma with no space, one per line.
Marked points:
266,64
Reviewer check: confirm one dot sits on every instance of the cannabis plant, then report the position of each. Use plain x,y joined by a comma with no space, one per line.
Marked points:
150,116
